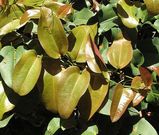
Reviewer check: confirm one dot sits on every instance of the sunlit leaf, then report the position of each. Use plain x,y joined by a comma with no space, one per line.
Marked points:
10,57
49,95
53,126
4,122
128,11
11,26
120,53
30,14
92,130
70,89
64,10
143,127
95,96
78,40
152,6
26,73
31,2
4,102
94,59
137,99
137,83
120,101
51,34
146,76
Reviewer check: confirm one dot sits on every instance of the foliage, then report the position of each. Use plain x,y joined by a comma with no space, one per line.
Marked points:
68,65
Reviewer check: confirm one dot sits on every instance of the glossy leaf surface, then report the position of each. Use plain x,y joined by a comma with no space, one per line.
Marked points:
30,14
70,89
120,53
127,11
120,101
51,34
4,102
26,72
4,122
95,96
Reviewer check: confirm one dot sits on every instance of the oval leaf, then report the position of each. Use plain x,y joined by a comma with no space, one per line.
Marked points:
10,57
92,100
49,95
30,14
51,34
137,99
143,127
4,102
64,10
70,89
120,53
146,76
152,6
26,73
120,101
137,83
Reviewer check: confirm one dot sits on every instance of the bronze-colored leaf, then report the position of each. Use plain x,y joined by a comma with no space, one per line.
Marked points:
137,99
146,76
152,6
64,10
120,101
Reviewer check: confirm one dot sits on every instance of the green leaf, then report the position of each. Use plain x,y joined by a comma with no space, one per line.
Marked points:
4,122
11,57
4,102
70,89
92,130
120,101
127,12
120,53
51,34
82,16
78,40
105,110
138,58
30,14
143,127
26,73
53,126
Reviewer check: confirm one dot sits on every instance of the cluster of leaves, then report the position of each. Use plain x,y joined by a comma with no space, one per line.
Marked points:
79,59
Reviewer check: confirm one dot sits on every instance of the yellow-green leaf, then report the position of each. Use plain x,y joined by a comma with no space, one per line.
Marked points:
51,34
4,102
11,26
26,72
92,100
120,101
120,53
49,95
127,12
152,6
72,85
78,40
